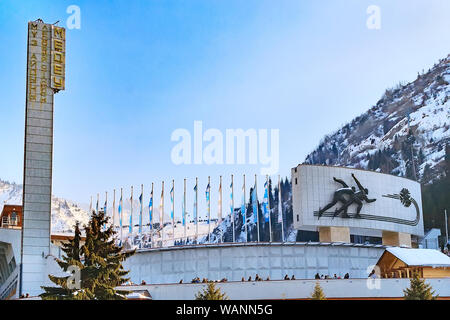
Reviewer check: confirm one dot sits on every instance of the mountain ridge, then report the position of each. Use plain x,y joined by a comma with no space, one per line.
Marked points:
404,133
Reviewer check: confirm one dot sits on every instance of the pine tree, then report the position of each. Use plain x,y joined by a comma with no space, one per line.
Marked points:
318,293
418,290
103,261
100,263
66,289
211,293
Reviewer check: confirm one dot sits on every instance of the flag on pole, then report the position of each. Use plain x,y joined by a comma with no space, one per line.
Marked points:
96,206
140,212
161,214
243,205
114,210
195,203
105,205
161,207
255,204
196,209
171,203
280,205
266,202
172,209
183,210
120,212
219,209
184,205
280,210
150,210
208,201
130,228
231,202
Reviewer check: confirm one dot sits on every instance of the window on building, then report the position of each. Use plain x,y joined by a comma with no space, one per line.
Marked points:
295,180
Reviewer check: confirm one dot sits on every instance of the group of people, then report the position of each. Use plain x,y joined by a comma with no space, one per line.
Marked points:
258,278
205,280
323,277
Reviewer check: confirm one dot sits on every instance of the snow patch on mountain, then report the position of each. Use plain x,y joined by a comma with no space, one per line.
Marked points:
404,134
64,212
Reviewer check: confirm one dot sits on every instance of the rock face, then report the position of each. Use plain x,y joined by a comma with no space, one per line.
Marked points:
404,134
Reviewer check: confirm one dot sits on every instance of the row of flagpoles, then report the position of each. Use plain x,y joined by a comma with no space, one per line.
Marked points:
254,201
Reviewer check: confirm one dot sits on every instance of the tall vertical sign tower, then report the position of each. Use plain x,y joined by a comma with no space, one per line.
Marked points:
45,77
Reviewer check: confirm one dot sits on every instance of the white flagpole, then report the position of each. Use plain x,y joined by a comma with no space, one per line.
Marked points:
184,211
114,210
196,210
220,208
280,209
140,213
90,207
257,206
268,205
121,215
245,213
173,211
105,209
131,213
151,218
232,208
161,215
209,209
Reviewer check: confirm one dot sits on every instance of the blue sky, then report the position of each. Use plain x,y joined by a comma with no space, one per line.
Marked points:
138,70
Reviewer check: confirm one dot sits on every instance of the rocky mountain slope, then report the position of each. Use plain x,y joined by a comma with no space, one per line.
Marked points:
404,134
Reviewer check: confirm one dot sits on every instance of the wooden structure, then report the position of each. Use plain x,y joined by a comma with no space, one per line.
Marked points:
398,262
11,216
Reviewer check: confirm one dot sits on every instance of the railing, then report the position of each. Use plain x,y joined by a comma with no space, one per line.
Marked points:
7,222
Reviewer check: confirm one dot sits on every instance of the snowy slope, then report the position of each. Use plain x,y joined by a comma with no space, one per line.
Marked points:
64,212
403,134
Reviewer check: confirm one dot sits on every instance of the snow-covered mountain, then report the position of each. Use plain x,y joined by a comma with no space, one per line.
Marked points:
64,212
404,134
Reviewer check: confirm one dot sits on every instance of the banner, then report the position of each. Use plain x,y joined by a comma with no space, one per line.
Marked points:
150,210
266,202
244,214
140,211
255,204
208,201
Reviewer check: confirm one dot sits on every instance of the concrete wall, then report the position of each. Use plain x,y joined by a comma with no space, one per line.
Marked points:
234,261
295,289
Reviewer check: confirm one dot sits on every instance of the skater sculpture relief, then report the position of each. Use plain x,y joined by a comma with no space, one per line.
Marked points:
347,196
